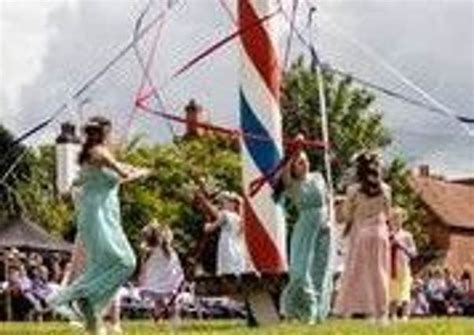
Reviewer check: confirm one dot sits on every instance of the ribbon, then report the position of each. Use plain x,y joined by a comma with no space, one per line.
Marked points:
294,147
214,47
393,260
236,133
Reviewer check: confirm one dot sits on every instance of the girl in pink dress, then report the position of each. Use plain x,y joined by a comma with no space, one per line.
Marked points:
365,280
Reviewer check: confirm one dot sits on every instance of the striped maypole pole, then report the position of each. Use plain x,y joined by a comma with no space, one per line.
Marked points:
260,76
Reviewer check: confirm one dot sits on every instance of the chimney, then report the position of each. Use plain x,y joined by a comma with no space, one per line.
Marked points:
68,146
68,134
194,114
424,170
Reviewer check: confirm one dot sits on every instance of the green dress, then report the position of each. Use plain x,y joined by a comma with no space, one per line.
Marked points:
307,296
110,260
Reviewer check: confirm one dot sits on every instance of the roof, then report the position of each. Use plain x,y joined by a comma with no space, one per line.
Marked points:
464,181
453,203
22,233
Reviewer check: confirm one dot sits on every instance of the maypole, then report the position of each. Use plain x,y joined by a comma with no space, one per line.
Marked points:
260,76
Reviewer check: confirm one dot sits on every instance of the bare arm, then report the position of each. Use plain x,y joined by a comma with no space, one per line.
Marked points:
136,173
387,192
408,246
213,226
348,210
125,171
207,204
105,158
286,172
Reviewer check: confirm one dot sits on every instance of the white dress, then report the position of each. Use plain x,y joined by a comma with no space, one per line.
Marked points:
162,274
231,256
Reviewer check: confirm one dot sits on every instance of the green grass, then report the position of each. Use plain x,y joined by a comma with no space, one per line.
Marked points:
457,326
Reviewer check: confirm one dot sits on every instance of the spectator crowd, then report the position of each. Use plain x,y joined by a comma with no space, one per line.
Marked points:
31,278
439,292
27,280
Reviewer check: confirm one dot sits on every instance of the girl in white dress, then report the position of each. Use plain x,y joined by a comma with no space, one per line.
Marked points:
231,255
162,276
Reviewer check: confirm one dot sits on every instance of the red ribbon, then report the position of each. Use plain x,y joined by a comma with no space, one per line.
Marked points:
214,47
140,103
393,260
294,147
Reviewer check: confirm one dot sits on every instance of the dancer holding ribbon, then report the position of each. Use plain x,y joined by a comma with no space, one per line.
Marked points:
231,256
308,293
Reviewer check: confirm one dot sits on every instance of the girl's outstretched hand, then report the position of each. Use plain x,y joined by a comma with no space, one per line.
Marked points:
137,173
299,142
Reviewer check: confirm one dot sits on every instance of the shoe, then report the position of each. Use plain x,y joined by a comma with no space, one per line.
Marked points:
92,320
115,329
102,330
77,325
383,321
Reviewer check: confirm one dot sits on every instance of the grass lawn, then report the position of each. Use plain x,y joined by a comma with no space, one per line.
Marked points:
455,326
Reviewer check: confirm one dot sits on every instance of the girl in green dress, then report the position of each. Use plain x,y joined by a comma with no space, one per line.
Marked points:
110,260
308,294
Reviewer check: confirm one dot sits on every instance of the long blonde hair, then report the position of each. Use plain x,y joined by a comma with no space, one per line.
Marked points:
155,235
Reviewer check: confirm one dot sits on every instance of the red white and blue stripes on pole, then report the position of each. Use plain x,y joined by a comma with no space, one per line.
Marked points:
260,76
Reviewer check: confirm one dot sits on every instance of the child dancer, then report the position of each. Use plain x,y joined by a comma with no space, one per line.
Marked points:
231,256
162,276
403,249
365,280
110,260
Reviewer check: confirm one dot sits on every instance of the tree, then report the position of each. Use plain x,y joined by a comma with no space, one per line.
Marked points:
354,124
167,194
37,194
10,203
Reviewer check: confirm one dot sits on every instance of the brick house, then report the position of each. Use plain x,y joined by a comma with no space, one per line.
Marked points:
450,218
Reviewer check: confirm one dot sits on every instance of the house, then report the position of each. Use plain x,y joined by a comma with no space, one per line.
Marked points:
449,208
22,233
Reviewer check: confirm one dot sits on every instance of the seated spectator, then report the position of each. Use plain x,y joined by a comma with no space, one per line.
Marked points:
436,292
419,305
40,284
15,286
26,285
453,293
467,300
466,281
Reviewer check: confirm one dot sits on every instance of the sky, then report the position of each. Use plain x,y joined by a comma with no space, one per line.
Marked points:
50,47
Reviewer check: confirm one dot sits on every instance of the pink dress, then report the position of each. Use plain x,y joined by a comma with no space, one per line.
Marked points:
365,280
